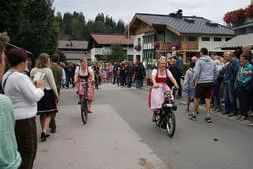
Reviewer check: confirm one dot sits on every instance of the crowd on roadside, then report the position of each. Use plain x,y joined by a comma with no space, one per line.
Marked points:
230,78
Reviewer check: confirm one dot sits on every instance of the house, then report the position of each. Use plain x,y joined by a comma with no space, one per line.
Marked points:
155,34
241,21
73,49
101,45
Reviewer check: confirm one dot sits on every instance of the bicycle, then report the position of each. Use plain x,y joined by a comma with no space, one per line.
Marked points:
84,101
165,117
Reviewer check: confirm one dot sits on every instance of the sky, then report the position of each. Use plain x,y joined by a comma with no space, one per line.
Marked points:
213,10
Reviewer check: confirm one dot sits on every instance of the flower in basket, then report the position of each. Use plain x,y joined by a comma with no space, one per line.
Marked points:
235,17
249,12
137,47
156,45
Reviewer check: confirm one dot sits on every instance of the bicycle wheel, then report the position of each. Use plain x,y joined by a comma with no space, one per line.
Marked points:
171,123
84,110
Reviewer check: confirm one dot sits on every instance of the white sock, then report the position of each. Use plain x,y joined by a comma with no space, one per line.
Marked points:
208,115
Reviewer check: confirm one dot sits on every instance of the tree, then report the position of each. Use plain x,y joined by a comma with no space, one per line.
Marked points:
40,28
117,54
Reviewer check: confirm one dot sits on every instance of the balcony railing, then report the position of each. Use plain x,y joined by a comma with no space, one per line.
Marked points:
188,45
184,45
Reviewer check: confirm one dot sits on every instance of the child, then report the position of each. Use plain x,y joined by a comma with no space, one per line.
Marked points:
189,87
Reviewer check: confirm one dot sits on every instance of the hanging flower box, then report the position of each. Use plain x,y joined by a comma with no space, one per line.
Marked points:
156,45
137,47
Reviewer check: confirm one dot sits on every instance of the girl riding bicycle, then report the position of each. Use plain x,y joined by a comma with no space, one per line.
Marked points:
83,74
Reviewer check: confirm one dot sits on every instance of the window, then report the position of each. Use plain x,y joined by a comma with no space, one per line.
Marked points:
217,39
192,38
227,39
139,41
205,38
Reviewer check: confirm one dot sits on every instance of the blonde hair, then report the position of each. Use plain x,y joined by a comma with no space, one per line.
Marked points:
43,60
217,62
173,61
161,59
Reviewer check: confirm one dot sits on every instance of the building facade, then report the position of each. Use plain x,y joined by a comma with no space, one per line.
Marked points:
100,45
74,50
155,34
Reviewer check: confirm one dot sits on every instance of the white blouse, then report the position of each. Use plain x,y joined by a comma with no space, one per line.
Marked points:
78,71
24,95
154,73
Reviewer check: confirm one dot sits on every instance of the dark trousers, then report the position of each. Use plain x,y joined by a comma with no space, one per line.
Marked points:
138,83
178,79
97,81
114,78
118,81
217,85
244,101
129,80
26,135
230,98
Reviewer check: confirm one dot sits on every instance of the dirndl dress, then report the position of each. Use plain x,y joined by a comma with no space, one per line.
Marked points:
80,90
156,95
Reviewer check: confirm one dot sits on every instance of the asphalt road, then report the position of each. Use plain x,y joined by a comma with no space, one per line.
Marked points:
224,144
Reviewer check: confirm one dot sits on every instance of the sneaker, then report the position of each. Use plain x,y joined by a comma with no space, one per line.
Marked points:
208,120
193,116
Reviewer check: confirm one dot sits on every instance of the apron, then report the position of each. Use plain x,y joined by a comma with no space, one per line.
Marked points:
156,95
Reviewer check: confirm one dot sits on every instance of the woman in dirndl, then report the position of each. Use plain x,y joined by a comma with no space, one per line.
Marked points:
83,73
159,78
47,105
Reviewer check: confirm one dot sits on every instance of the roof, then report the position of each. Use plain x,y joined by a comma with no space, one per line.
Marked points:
72,44
239,41
186,24
109,39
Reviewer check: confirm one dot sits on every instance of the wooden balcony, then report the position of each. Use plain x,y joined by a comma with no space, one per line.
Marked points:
184,46
188,45
164,47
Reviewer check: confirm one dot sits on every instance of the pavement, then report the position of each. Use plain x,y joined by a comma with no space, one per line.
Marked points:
120,135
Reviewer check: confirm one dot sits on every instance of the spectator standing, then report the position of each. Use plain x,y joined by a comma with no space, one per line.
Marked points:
115,69
173,70
24,96
217,85
205,73
243,86
138,75
230,70
97,75
180,69
57,72
9,155
189,86
47,105
123,75
129,74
